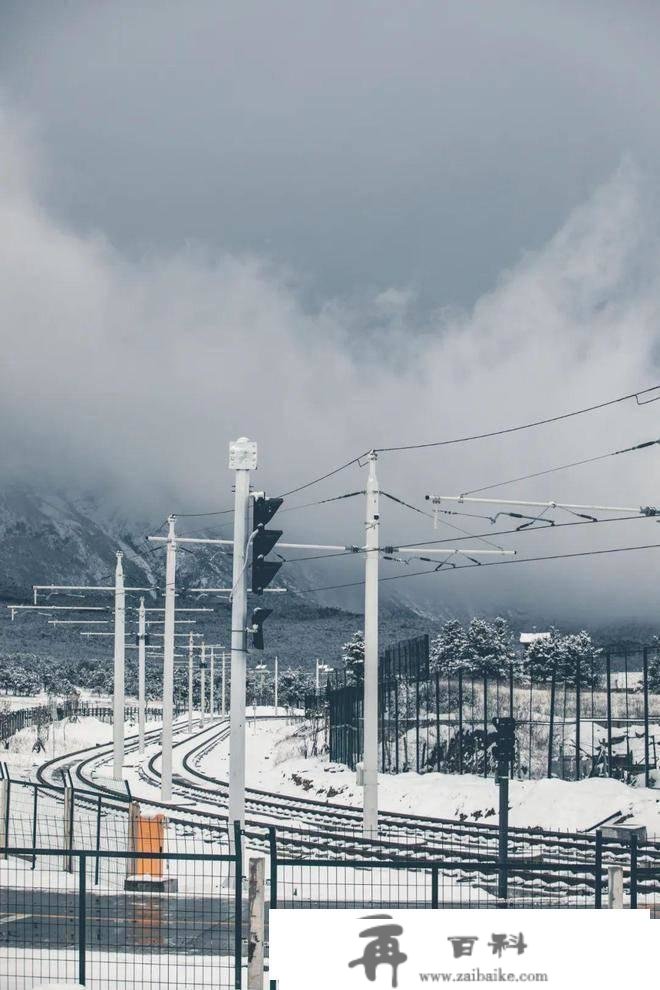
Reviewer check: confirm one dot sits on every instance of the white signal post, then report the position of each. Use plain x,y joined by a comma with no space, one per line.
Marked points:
243,459
321,668
168,662
370,732
142,639
118,713
276,679
223,703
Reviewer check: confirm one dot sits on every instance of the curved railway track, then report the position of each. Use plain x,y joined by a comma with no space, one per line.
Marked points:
328,830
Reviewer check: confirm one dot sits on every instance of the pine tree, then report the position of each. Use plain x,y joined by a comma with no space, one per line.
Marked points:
543,655
448,648
489,650
352,653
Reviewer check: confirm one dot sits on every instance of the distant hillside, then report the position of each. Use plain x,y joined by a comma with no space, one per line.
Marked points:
51,539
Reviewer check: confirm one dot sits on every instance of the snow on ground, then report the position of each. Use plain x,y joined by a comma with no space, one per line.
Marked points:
59,738
279,758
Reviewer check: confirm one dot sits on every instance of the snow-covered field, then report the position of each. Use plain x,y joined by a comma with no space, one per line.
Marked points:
59,738
279,759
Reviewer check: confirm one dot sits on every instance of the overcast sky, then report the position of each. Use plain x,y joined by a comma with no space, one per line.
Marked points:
332,226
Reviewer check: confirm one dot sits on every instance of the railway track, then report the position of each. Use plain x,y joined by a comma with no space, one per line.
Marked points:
332,831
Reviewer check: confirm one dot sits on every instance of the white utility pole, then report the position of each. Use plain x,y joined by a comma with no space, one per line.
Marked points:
118,713
202,686
142,635
242,459
276,676
168,663
191,647
224,684
370,732
321,668
212,685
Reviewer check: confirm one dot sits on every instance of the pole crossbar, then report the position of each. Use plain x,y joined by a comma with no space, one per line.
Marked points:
644,510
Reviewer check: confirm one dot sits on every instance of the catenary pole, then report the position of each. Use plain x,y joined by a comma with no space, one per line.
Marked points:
370,734
142,636
276,677
224,683
212,684
202,686
119,664
168,662
191,646
242,458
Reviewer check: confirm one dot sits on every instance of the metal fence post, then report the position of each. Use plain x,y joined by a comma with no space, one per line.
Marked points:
578,714
5,791
460,720
609,714
272,845
647,777
614,887
551,730
68,828
633,871
434,886
256,923
238,906
485,725
34,824
598,871
82,918
97,864
503,836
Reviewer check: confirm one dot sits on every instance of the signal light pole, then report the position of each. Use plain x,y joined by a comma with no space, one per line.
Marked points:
242,459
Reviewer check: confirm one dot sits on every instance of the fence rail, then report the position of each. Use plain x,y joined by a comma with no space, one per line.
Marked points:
56,927
12,722
603,720
175,917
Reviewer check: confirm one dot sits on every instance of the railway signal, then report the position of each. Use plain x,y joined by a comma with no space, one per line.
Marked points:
259,616
263,541
505,744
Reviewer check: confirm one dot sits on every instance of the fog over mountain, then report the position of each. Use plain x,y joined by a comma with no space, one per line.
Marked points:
129,362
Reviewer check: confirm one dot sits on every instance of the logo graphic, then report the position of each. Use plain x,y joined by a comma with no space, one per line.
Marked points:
383,948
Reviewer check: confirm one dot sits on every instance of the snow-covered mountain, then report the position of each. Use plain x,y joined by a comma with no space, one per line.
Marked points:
55,538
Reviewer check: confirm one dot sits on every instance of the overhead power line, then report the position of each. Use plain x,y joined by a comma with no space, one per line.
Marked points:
563,467
528,426
445,568
329,474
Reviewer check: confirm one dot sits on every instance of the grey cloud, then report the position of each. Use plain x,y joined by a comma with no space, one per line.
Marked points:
133,375
361,145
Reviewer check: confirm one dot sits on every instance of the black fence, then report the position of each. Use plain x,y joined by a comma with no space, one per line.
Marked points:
59,926
463,870
604,720
100,914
